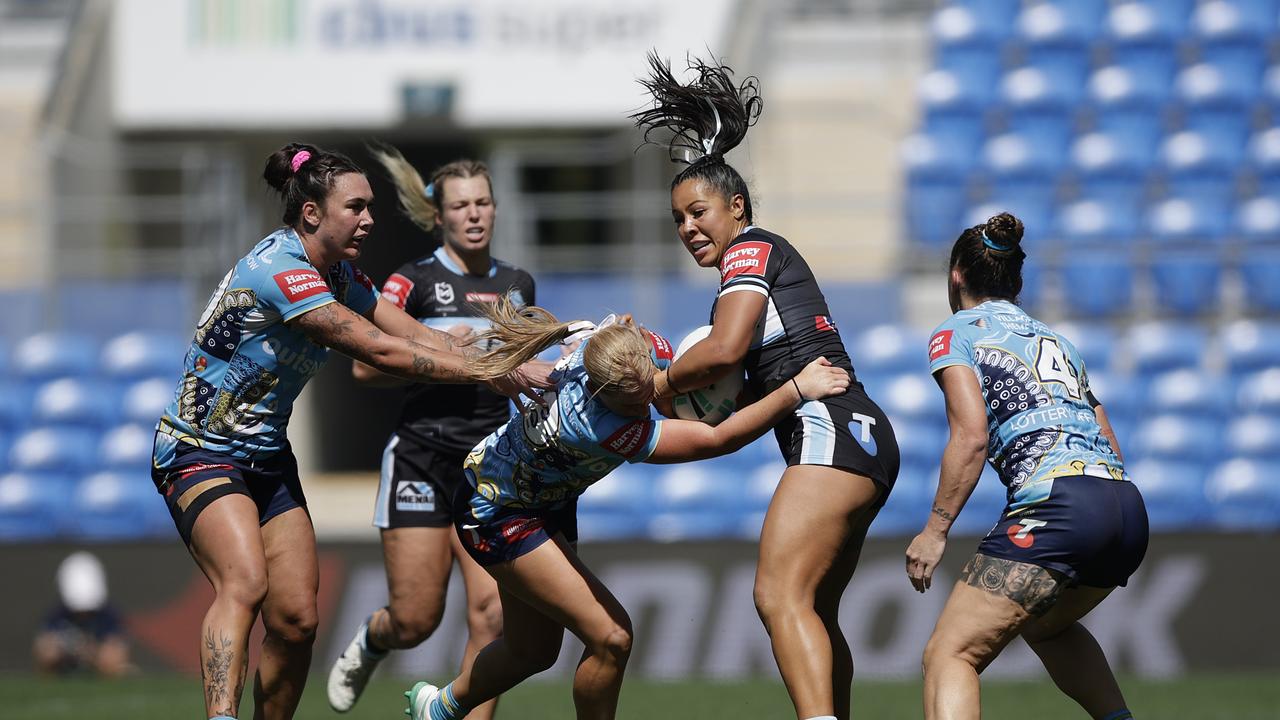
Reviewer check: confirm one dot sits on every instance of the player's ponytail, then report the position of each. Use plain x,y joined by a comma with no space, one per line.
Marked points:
989,257
706,118
520,333
302,173
421,201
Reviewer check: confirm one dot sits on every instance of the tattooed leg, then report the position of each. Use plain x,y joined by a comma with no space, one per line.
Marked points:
1033,588
223,665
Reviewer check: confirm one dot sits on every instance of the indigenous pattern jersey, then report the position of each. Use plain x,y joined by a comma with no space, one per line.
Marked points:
547,457
441,295
796,326
1041,423
246,365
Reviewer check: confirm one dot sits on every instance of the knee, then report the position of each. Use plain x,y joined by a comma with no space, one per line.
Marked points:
771,602
616,642
247,587
412,624
484,618
294,623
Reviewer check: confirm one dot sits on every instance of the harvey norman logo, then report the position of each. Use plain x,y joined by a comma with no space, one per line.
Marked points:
748,258
300,284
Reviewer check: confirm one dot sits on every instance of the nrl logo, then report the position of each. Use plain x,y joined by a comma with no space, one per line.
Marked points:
444,293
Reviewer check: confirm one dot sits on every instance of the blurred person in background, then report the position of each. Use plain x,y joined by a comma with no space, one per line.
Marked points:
1074,528
222,460
83,632
518,518
438,425
771,318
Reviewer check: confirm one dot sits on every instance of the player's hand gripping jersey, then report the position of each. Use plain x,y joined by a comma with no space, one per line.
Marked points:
441,295
1041,422
796,326
549,456
246,366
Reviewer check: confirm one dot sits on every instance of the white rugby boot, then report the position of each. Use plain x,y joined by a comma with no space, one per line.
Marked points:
351,672
420,697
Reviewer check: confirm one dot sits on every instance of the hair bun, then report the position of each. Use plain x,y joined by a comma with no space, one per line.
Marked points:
279,167
1004,231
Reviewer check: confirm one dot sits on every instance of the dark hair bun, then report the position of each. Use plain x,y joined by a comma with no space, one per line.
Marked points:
280,164
1005,231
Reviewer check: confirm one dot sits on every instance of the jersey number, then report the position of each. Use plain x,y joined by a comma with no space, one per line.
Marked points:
1052,366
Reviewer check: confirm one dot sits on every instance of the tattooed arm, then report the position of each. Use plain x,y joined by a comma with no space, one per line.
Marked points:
338,327
390,319
961,467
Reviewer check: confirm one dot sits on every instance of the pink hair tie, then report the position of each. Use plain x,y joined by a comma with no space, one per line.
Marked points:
298,159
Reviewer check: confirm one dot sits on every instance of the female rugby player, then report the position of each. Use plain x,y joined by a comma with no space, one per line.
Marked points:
519,520
771,317
438,426
222,460
1074,528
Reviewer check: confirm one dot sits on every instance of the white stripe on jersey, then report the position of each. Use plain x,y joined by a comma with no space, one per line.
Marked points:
382,505
818,446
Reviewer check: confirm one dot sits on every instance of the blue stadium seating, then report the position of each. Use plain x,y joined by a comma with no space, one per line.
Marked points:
972,22
1186,282
1200,171
1244,495
984,508
1260,271
913,396
126,447
1254,437
1182,438
1173,493
1188,220
54,450
1264,156
117,506
1037,108
907,508
920,442
1248,345
1189,392
935,167
1121,397
1098,283
1112,160
48,355
889,349
697,486
1244,20
15,404
136,355
628,489
761,481
1260,392
1158,346
1147,23
80,402
1099,220
1257,220
1031,207
693,524
30,507
1096,343
144,401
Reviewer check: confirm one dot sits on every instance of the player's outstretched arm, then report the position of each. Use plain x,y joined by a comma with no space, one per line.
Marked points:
685,440
962,460
338,327
720,352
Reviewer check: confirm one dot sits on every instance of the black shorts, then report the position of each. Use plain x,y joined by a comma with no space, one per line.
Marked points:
849,432
197,477
512,532
417,485
1091,529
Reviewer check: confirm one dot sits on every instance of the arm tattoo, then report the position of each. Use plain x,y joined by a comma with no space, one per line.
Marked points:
373,334
217,675
423,365
943,513
1033,588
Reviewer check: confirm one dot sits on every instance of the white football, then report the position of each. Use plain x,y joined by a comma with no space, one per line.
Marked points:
711,404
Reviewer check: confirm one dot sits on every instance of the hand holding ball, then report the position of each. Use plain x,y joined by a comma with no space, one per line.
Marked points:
711,404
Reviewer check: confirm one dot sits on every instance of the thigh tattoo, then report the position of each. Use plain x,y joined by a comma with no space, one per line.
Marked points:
1033,588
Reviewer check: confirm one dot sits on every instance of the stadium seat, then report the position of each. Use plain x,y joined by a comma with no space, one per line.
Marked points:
914,396
984,507
696,486
1186,281
1173,493
1108,159
47,355
890,348
628,489
1254,437
1136,127
1244,495
1099,220
1259,392
920,442
944,93
907,507
80,402
1190,392
694,524
1264,157
15,404
1098,283
1095,343
1200,169
1260,272
1022,158
1257,220
117,506
967,24
145,401
1147,23
29,508
1158,346
136,355
127,448
1061,22
935,195
6,440
1214,85
1249,346
610,525
67,450
1182,438
1036,108
761,482
1188,220
1242,20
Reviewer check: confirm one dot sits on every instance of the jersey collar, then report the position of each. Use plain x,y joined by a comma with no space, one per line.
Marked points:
443,258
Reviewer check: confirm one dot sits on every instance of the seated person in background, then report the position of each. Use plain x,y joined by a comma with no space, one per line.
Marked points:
83,633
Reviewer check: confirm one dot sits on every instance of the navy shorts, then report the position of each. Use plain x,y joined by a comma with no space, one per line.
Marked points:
1093,530
197,477
849,432
512,533
417,485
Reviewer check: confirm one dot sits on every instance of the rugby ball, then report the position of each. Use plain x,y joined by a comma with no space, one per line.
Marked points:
711,404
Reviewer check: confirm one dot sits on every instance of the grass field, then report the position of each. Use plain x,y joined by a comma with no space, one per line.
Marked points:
1218,697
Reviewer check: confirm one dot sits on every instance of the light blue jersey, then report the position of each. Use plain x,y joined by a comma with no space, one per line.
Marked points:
1041,424
549,456
246,366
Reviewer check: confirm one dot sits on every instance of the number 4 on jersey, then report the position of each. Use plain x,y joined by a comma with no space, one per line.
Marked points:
1053,366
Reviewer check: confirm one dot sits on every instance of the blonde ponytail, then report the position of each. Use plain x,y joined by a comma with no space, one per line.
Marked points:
520,333
410,188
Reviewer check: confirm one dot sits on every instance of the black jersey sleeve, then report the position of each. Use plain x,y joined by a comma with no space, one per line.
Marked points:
528,289
752,263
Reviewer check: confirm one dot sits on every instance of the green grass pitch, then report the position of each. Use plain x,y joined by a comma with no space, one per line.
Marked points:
1201,697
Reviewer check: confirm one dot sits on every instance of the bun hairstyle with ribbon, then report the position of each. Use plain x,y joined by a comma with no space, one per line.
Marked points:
989,257
302,173
706,118
423,201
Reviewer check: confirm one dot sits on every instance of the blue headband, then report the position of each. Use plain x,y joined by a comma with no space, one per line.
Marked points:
430,191
987,241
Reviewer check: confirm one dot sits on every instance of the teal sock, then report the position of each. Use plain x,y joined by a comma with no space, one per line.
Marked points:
222,717
1122,714
446,706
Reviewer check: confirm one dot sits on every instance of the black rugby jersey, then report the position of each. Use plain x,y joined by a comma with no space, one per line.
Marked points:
440,294
796,326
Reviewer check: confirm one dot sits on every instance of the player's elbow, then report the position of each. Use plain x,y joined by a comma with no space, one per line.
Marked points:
967,441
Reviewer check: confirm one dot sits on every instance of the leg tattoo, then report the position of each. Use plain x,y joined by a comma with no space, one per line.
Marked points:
219,697
1032,587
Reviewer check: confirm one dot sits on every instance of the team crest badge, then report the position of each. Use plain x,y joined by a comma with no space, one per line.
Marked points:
444,293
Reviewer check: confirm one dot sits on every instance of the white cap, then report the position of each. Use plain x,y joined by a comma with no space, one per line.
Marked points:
82,582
